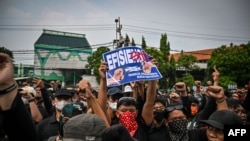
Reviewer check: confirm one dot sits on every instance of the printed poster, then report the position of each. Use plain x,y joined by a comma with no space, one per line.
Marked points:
129,64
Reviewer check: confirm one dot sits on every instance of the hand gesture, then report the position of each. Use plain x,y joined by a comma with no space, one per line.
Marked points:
216,76
39,82
26,94
84,87
133,84
180,86
174,96
154,62
197,83
216,92
102,70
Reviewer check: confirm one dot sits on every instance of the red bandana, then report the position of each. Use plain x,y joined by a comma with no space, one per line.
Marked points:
128,119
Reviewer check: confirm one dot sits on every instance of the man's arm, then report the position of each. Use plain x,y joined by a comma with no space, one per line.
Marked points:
17,122
147,111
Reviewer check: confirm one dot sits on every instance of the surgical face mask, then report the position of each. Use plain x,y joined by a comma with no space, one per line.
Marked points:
113,105
25,101
61,104
74,99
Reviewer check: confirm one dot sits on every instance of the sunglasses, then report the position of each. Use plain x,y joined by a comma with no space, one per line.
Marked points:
174,107
127,99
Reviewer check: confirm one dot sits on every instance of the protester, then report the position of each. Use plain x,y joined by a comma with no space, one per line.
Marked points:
158,130
90,127
50,126
194,108
15,119
28,95
127,91
217,121
113,94
68,112
43,95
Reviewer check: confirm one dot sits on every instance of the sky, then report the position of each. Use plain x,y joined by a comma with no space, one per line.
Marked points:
189,24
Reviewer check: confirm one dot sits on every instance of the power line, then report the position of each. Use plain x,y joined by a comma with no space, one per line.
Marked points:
131,28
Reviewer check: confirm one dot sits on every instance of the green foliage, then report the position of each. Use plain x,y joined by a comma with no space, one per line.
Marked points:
143,44
164,47
171,72
232,62
188,79
187,61
133,42
126,43
94,61
225,81
158,55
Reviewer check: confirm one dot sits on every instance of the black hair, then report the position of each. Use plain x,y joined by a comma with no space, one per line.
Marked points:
116,96
193,99
183,109
127,102
233,103
116,133
162,101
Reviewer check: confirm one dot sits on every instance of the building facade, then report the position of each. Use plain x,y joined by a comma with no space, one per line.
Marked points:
61,56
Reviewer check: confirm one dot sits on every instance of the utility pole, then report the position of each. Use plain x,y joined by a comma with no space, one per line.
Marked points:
118,41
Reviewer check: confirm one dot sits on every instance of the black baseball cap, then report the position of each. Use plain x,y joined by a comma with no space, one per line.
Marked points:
63,92
220,118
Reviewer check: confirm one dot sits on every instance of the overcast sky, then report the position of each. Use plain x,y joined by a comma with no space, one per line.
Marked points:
189,24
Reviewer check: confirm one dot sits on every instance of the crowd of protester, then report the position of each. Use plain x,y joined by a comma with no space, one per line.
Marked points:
138,112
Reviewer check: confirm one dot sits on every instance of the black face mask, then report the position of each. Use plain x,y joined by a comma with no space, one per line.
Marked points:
159,115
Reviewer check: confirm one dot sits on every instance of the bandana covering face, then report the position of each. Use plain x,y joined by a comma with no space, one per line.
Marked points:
178,130
128,119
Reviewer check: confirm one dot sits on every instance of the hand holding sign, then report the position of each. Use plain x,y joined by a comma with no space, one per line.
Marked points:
102,70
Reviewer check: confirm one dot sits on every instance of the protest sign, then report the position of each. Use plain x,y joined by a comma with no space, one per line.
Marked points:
129,64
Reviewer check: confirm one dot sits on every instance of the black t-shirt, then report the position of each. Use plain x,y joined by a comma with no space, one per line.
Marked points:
197,135
47,128
162,134
142,132
159,133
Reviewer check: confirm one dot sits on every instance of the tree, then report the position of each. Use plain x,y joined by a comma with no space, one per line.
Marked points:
164,47
232,62
188,79
187,61
171,73
133,42
95,59
143,44
127,40
165,50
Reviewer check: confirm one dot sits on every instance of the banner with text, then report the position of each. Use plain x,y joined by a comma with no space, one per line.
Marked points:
128,64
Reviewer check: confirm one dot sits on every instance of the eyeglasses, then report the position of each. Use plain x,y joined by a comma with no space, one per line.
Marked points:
174,107
125,98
